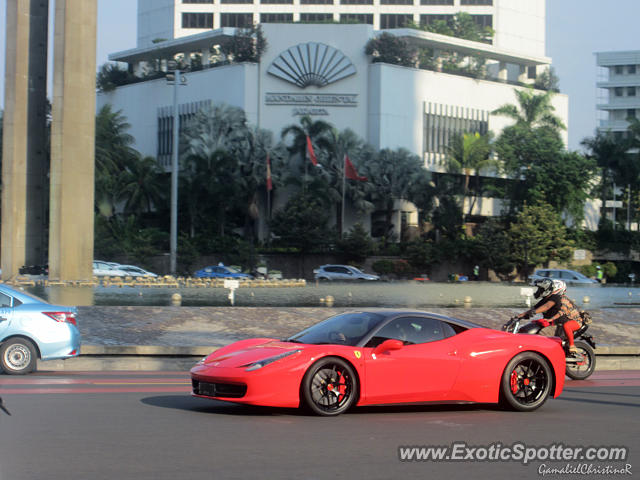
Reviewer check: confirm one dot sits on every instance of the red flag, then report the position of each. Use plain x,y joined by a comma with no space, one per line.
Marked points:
269,184
350,171
310,153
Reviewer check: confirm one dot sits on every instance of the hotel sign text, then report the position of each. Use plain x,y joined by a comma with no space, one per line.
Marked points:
314,99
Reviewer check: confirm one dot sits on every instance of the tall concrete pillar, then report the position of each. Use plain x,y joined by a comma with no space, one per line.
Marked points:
25,160
72,141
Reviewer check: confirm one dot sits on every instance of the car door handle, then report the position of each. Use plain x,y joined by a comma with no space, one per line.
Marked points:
453,353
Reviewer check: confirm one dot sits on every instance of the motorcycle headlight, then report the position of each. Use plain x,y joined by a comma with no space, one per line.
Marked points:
250,367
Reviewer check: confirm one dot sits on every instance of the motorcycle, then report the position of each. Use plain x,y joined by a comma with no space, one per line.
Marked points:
580,365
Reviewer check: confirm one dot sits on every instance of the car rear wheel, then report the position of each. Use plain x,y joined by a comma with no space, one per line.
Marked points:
18,356
526,382
329,387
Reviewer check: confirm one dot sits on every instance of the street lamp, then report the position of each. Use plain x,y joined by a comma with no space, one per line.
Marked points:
176,79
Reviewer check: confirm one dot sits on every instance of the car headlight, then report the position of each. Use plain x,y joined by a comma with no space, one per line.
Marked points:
250,367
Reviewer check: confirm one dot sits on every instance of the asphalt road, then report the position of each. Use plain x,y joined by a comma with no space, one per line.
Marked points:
120,425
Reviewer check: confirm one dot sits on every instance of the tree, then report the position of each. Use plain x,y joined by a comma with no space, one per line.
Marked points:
469,154
143,186
387,48
492,244
532,110
537,237
356,245
246,45
547,80
394,175
302,223
542,171
461,25
111,76
113,153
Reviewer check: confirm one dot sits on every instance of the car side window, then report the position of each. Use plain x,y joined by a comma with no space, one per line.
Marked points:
411,331
5,300
346,271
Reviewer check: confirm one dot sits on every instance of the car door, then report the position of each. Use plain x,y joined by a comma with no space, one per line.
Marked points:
6,313
424,369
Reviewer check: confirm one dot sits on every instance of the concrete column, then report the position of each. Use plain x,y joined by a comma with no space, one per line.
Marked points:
24,146
72,141
522,74
502,72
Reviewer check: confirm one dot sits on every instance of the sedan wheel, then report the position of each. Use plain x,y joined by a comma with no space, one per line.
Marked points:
18,356
329,387
526,382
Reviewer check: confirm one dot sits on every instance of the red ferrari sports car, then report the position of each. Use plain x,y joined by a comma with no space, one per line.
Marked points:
385,357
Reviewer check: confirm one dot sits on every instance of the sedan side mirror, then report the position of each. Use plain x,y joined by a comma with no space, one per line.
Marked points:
387,346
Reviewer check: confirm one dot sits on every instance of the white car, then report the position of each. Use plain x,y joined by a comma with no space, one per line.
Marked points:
133,271
567,276
107,269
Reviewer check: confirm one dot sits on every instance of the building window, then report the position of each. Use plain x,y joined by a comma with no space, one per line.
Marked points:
394,20
316,17
436,2
618,70
357,18
430,19
197,20
276,18
631,69
197,1
631,91
476,2
483,20
631,113
280,2
396,2
241,20
316,2
236,1
618,91
165,128
356,2
442,123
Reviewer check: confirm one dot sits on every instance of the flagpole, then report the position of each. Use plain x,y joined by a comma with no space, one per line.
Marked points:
344,176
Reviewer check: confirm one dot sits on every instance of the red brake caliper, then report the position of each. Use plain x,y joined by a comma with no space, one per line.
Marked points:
514,382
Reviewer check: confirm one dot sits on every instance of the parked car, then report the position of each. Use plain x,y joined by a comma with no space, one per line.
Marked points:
31,328
385,357
342,272
567,276
133,271
107,269
220,271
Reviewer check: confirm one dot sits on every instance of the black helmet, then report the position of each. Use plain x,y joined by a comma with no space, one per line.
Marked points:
545,287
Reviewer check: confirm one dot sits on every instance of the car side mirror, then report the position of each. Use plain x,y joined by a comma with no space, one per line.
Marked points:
387,346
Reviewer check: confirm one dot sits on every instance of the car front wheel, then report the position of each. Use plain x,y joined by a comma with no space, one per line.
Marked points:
329,387
18,356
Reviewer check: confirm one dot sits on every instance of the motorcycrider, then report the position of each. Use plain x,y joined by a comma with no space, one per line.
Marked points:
580,365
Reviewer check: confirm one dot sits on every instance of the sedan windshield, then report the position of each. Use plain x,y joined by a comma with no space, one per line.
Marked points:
344,329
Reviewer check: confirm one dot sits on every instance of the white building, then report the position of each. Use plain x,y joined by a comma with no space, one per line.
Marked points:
387,105
519,25
618,87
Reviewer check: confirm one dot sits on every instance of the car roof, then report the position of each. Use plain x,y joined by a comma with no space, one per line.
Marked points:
404,313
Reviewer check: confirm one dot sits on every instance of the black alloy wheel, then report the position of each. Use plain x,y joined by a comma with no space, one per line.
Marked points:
526,382
329,387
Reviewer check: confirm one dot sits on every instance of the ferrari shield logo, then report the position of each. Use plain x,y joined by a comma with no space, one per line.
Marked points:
357,353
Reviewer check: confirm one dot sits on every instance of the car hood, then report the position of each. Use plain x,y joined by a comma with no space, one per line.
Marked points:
244,355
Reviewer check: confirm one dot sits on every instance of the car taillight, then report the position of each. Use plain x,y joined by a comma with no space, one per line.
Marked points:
62,317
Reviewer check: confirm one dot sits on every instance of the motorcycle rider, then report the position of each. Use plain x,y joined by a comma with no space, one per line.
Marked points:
555,306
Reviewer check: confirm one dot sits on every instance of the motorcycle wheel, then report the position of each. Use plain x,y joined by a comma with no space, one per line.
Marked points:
584,369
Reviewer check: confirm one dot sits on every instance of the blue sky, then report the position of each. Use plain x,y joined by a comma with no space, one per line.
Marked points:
576,29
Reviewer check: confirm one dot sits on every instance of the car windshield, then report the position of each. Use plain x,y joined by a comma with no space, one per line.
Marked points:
344,329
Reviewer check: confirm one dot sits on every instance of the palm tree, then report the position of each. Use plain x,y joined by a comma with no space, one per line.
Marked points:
469,153
318,131
533,110
143,186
